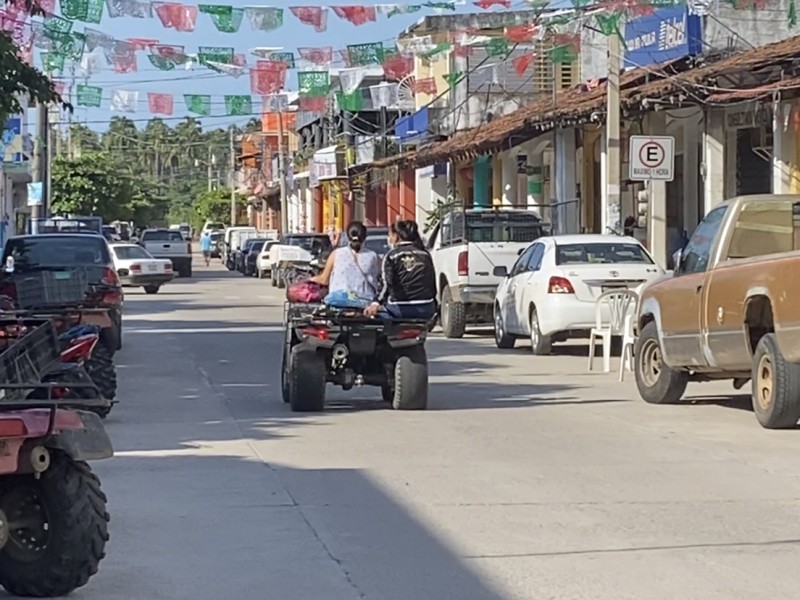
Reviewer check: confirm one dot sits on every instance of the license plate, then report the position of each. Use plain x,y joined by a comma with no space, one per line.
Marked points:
62,275
152,268
615,288
290,256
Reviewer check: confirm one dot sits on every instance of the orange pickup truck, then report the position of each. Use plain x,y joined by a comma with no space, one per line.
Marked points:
730,311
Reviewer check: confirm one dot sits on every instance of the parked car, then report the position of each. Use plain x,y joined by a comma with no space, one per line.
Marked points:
232,242
213,226
239,259
246,264
169,244
379,244
549,294
729,311
264,261
466,246
136,267
216,244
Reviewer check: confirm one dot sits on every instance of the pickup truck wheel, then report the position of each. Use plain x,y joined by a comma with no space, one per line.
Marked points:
657,383
273,278
776,386
501,337
281,279
151,289
541,345
411,380
307,380
454,316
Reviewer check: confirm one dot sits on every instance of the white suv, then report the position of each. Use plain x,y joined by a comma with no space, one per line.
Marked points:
263,263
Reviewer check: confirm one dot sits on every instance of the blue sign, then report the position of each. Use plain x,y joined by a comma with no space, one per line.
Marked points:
35,193
413,128
665,35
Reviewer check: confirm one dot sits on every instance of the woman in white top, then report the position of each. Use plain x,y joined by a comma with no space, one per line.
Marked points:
351,272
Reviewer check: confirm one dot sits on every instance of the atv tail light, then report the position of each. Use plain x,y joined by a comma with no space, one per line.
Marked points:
8,289
59,392
463,263
12,427
409,333
320,333
560,285
83,349
110,277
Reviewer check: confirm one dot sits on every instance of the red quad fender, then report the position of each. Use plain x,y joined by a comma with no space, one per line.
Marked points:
79,434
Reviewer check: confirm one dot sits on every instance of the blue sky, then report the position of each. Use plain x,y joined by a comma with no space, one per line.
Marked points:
201,80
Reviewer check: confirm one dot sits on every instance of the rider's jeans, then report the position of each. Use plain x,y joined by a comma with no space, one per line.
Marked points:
411,311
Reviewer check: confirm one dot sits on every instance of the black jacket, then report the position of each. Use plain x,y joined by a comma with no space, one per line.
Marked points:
408,275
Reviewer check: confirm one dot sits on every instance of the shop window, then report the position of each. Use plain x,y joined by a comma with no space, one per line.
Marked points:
765,228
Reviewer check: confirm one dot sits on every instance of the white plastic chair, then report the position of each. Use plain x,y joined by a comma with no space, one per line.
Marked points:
619,303
629,335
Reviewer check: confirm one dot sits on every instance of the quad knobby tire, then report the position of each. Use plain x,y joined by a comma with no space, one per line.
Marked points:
306,374
68,498
776,386
656,381
100,367
78,393
411,380
453,318
151,289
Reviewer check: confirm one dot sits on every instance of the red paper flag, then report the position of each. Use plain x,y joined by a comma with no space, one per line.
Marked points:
317,56
357,15
59,85
142,43
487,4
345,56
521,63
522,34
424,86
567,39
316,16
268,77
313,104
160,104
180,17
397,67
168,51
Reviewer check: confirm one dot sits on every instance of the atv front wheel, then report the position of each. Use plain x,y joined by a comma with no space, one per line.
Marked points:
56,528
100,367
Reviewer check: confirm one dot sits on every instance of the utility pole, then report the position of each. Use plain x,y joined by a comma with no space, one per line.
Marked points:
39,167
282,178
233,181
611,206
210,175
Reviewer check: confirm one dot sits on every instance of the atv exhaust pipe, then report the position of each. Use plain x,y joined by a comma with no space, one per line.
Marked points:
340,352
40,459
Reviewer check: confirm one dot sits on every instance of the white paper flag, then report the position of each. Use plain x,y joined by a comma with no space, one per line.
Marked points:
265,51
232,70
124,101
92,62
416,45
351,78
273,103
384,94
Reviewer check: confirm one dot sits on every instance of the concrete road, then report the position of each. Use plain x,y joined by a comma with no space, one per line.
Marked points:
528,478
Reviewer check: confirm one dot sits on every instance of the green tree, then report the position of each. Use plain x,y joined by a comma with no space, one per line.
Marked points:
212,206
19,79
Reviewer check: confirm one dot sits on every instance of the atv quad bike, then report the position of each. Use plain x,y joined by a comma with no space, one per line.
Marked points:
342,346
53,519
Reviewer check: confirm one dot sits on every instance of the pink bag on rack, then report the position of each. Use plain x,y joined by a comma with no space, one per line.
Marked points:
305,292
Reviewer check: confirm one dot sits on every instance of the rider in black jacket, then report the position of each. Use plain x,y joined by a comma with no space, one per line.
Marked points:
409,279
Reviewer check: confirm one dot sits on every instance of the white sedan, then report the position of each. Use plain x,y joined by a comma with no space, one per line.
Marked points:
263,261
549,294
136,267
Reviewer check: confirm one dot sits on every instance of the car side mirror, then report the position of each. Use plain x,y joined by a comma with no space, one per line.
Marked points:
500,271
520,251
677,257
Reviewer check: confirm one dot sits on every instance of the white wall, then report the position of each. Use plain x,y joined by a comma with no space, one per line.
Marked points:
429,191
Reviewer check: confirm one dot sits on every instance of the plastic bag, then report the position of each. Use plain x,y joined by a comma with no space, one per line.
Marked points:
345,299
306,292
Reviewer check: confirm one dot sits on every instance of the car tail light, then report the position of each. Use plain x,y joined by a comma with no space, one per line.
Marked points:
12,427
83,349
110,277
463,263
8,289
189,247
136,268
409,333
320,333
560,285
168,266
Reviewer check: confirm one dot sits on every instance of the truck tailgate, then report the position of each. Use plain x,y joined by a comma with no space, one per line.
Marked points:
167,249
485,256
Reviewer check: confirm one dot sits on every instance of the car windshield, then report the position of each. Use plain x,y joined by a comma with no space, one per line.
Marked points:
215,226
601,253
309,242
379,245
215,237
162,235
131,252
256,246
43,252
503,227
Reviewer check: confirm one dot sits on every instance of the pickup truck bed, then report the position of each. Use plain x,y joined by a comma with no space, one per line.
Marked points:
169,244
730,310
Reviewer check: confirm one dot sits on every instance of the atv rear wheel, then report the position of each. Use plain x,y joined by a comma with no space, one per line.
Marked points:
57,528
411,380
307,380
100,367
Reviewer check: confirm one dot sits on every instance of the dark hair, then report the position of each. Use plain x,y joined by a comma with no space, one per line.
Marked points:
356,234
408,231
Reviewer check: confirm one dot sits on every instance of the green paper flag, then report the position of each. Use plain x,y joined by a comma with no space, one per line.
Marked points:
198,104
563,54
313,84
55,27
439,49
70,45
215,54
362,55
497,47
352,102
90,11
159,62
453,78
286,58
89,95
608,22
227,19
52,62
402,9
441,5
792,14
238,105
